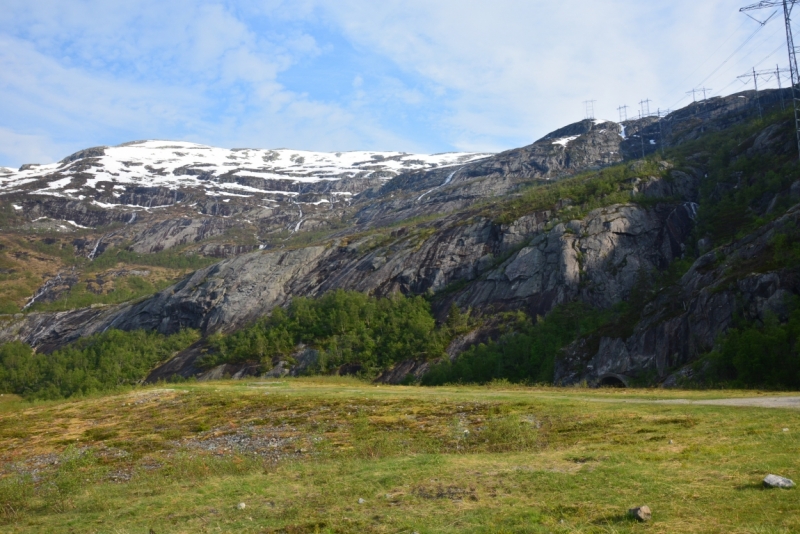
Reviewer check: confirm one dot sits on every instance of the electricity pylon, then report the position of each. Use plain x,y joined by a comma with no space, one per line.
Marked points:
755,82
787,17
589,105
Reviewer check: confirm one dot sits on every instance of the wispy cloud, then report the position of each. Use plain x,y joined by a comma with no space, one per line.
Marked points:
349,74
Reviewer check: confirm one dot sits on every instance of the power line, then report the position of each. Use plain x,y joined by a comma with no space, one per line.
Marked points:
732,54
735,32
724,62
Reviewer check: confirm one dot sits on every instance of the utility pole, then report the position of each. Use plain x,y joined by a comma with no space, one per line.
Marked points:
692,92
787,18
589,105
704,89
755,82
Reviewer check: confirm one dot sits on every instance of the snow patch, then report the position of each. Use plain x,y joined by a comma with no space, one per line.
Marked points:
564,141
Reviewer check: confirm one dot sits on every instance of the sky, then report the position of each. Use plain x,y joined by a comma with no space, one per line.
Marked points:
334,75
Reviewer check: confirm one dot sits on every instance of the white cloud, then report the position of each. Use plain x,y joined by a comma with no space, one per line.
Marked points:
469,74
517,69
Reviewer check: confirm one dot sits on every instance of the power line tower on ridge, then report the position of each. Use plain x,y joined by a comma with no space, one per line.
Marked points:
703,90
589,106
787,5
644,103
623,113
755,82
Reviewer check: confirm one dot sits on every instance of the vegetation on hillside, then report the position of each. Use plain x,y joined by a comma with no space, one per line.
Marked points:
346,327
98,363
526,353
577,195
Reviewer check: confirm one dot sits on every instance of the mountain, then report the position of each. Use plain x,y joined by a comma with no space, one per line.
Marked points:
597,213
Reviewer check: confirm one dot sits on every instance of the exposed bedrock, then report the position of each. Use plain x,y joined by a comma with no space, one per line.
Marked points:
685,322
523,265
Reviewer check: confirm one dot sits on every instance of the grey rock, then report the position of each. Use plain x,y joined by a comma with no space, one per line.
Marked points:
642,513
279,371
775,481
403,371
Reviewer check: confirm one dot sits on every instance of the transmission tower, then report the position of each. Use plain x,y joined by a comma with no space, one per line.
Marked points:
646,102
755,82
703,90
787,5
589,105
623,113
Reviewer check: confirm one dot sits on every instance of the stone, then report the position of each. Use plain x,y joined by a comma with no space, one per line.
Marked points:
361,501
242,506
642,513
775,481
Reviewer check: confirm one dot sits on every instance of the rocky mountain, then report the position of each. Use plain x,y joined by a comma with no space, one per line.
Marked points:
576,216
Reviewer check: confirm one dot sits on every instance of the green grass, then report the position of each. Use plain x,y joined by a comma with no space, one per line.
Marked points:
455,459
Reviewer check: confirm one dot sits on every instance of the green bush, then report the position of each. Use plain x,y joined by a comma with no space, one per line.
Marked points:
760,355
526,354
586,191
347,327
97,363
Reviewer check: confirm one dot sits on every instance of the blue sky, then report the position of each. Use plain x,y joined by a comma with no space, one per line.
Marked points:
412,75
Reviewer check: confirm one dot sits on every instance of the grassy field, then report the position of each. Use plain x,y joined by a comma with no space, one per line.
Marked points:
338,455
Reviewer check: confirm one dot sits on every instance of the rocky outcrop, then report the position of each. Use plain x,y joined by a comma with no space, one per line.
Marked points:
584,145
597,260
684,322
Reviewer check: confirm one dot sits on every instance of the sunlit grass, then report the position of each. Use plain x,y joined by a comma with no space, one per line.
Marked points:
498,458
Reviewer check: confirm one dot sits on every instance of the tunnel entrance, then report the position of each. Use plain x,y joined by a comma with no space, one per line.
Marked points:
611,381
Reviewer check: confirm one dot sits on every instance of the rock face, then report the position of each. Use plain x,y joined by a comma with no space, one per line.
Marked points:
588,144
685,322
595,259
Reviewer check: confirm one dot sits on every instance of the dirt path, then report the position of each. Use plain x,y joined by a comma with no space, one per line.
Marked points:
756,402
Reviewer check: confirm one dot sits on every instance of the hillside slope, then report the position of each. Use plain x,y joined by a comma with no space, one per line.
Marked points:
577,216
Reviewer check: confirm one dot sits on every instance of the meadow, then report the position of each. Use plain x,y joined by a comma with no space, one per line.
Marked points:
343,455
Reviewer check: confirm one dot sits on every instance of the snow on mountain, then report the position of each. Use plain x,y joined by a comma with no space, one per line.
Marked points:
564,141
238,172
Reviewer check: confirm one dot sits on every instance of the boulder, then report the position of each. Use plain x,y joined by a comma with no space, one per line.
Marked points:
642,513
775,481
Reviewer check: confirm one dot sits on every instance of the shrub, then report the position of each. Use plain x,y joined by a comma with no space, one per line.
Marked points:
347,327
97,363
526,354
